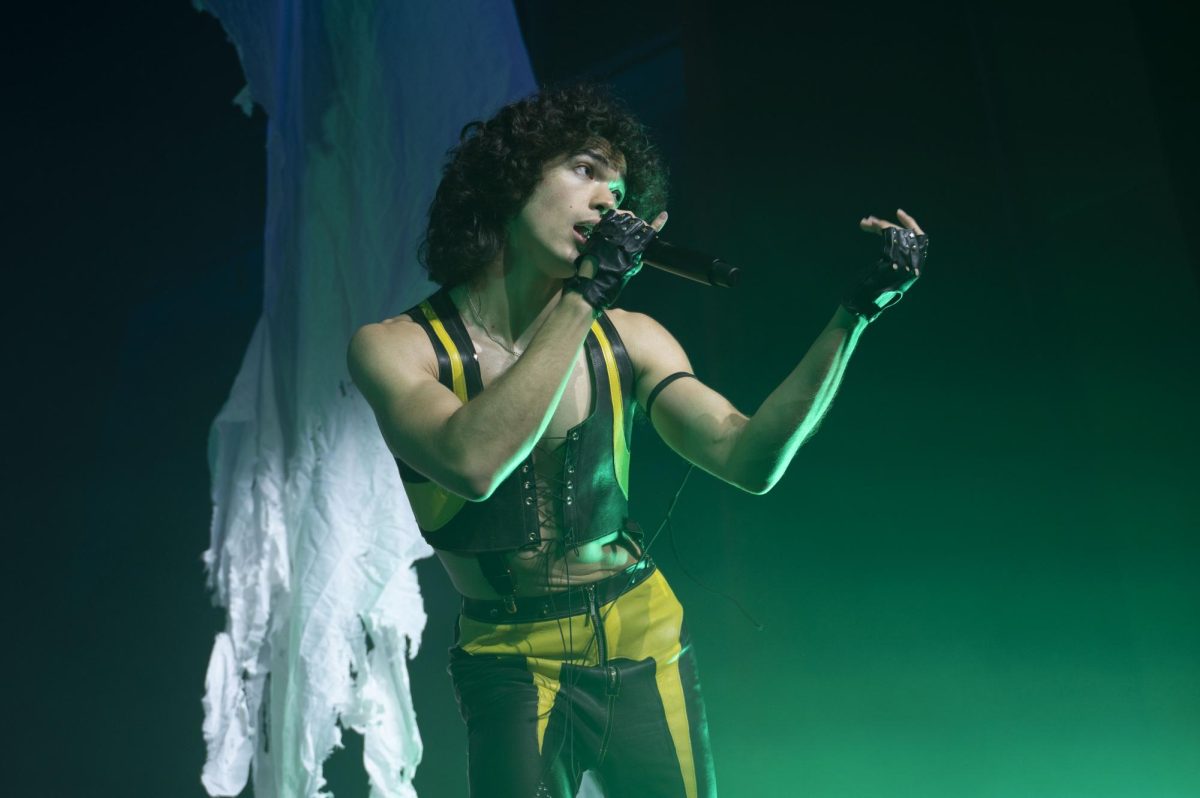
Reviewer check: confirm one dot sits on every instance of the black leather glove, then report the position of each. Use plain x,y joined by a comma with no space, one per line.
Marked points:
616,244
883,284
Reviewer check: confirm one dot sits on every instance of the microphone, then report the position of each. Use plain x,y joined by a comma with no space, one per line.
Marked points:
691,264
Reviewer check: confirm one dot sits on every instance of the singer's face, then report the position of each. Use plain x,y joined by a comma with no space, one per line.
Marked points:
575,189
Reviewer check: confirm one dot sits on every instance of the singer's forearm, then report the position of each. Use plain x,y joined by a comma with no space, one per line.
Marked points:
766,442
467,448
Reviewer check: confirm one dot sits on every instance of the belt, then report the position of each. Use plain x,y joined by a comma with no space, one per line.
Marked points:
573,601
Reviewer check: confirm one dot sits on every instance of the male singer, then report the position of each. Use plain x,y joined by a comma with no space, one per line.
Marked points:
508,399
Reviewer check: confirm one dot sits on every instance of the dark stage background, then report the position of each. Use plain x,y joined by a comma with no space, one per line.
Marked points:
978,580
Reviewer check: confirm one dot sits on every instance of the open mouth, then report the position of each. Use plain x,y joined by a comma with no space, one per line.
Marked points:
582,231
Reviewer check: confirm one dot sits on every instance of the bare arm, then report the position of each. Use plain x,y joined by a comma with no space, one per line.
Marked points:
706,429
702,426
767,442
470,448
466,448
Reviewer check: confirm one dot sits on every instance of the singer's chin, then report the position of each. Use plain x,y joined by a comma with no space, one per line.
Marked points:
561,269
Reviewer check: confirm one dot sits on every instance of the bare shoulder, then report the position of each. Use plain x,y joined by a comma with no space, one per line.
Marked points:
654,351
395,336
381,351
639,331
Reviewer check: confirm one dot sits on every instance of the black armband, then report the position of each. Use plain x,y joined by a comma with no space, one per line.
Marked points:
663,383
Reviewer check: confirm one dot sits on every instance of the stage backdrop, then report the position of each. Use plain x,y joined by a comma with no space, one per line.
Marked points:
312,540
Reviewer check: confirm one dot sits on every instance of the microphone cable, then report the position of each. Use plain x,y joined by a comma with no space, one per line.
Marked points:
670,526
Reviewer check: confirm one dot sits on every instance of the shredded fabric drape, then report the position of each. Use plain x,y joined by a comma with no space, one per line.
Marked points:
312,539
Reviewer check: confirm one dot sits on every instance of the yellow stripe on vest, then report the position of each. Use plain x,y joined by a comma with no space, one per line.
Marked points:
620,448
432,504
457,378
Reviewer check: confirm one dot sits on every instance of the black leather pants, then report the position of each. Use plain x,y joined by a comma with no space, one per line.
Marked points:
602,680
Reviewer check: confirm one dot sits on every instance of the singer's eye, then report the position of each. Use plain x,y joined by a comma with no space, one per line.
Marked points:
585,169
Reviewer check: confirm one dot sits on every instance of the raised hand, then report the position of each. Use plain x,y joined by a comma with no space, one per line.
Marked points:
883,284
612,256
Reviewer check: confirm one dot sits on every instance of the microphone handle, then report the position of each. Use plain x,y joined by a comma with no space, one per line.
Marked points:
690,264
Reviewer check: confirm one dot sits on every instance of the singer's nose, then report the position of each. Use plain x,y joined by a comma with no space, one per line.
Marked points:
605,199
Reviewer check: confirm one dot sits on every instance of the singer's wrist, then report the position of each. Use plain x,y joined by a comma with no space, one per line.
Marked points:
577,304
848,320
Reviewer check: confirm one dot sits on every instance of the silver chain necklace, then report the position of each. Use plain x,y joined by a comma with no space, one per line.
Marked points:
477,312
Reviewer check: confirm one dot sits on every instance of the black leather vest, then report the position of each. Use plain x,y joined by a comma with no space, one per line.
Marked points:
593,488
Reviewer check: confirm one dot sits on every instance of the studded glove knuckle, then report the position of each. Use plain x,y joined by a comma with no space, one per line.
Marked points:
883,284
616,245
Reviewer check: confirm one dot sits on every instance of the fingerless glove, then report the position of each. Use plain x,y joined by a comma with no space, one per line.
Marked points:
616,244
883,284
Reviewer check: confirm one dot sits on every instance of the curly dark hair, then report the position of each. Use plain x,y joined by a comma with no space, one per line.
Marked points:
498,163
